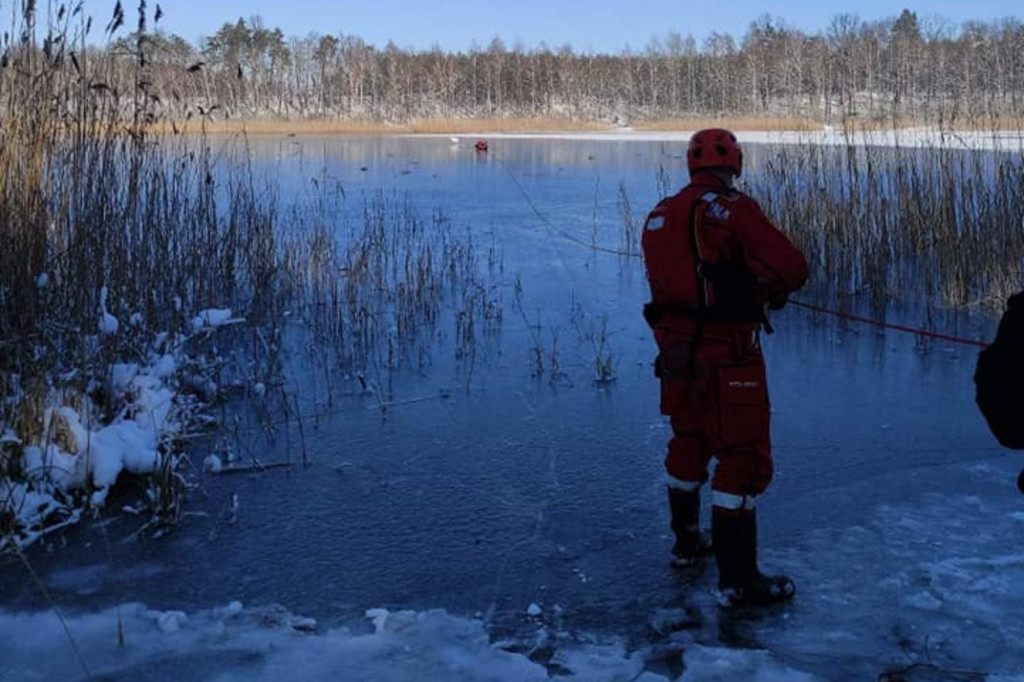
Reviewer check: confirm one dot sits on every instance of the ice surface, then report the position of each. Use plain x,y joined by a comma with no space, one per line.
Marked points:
236,644
892,507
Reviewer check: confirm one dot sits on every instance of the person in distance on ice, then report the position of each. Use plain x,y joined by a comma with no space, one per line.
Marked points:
714,262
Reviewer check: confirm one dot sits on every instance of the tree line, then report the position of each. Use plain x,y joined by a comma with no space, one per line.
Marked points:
897,70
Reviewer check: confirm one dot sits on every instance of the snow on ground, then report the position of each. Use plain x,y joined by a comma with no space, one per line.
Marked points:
935,582
942,587
235,644
214,317
83,455
923,137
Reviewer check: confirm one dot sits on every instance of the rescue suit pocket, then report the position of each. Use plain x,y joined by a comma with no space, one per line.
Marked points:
743,409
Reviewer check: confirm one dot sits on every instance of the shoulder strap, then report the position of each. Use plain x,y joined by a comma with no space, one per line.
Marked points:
697,211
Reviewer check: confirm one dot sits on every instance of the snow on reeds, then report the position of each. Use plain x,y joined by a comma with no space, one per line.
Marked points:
146,279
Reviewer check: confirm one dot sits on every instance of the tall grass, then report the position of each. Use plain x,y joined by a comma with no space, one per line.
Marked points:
90,202
757,123
383,287
98,217
431,126
938,225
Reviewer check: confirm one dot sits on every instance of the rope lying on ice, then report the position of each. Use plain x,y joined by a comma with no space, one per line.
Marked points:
889,325
918,331
554,228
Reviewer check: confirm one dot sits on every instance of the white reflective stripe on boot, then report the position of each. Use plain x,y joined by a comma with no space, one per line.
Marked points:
730,501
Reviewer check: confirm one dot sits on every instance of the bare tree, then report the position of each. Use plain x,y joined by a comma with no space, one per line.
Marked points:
897,69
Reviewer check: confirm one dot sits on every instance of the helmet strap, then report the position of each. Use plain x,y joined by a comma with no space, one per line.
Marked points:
725,175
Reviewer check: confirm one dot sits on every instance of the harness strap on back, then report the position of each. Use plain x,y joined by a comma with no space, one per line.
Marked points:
697,220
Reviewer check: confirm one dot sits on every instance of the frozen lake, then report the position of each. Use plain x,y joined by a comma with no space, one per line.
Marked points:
485,491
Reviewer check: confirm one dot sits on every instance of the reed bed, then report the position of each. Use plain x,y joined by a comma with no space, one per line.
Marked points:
455,126
927,227
378,293
381,294
115,238
768,123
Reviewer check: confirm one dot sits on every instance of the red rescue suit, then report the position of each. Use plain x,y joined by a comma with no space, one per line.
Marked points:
714,261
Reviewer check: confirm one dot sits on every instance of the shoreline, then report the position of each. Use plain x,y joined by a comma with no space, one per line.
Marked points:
770,131
914,137
921,138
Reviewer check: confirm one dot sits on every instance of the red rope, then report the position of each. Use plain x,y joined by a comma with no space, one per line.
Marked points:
808,306
887,325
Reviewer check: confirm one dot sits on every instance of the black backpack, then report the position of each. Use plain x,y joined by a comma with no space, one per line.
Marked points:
999,377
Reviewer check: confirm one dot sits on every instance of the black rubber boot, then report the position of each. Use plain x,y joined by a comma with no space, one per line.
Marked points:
691,544
740,582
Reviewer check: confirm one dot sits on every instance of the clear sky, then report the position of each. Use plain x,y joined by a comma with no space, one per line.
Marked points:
586,25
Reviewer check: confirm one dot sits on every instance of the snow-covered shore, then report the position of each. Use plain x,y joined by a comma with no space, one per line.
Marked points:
910,137
81,457
232,643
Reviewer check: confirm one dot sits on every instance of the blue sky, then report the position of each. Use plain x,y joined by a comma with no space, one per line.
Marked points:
586,25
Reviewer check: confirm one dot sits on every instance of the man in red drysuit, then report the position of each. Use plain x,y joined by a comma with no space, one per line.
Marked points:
714,263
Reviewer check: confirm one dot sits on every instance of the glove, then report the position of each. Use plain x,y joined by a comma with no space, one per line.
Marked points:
652,314
777,301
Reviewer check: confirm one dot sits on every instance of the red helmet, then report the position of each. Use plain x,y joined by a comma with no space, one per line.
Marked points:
714,148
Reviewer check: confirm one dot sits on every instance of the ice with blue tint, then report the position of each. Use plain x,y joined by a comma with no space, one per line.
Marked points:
513,526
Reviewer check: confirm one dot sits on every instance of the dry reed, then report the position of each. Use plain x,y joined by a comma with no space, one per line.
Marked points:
458,126
919,227
730,123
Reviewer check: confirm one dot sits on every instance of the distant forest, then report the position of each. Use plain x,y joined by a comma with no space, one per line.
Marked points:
899,70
